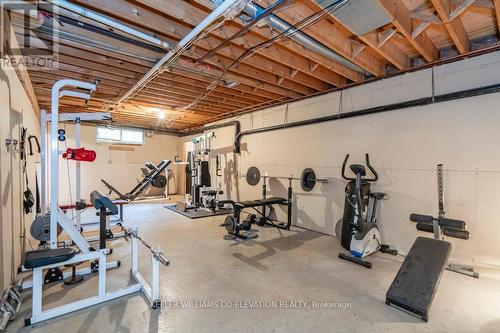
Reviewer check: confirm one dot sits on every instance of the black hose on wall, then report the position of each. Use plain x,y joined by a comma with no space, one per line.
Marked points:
378,109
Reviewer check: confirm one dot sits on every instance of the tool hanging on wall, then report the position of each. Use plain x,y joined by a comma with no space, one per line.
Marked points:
22,151
30,138
28,198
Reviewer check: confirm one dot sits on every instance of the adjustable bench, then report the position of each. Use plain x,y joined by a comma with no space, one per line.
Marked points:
416,283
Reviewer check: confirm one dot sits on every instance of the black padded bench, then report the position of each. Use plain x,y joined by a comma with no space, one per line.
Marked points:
106,207
417,281
234,226
41,258
262,202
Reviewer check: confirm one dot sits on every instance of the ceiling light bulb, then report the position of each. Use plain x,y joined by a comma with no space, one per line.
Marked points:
161,115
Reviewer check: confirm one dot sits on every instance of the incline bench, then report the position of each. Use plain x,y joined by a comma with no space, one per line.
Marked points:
417,281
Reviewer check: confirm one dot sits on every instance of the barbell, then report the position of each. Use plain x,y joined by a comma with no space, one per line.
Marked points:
307,179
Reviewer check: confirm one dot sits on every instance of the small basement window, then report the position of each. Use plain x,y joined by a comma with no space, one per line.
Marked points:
120,135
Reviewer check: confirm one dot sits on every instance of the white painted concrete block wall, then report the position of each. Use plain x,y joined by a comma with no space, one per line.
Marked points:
404,145
15,112
122,169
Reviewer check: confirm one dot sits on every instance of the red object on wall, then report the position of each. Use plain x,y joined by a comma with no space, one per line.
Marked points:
80,154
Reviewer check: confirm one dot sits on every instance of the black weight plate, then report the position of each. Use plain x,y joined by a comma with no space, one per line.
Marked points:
159,181
253,176
40,228
230,224
308,180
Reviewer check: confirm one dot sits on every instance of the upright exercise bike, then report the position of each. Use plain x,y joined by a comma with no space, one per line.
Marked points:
360,234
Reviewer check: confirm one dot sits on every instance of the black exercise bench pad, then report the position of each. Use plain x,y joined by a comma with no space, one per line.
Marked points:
40,258
417,281
99,201
261,202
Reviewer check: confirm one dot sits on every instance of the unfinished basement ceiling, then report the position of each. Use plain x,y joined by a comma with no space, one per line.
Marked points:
333,52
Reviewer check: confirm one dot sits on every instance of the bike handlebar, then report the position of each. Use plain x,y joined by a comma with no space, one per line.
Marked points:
372,170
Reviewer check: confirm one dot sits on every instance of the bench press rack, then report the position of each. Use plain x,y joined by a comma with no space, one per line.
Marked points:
232,223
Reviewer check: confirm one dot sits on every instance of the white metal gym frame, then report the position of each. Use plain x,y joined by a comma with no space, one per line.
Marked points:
57,217
151,291
77,119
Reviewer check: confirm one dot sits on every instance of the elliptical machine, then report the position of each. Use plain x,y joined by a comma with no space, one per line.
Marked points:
359,233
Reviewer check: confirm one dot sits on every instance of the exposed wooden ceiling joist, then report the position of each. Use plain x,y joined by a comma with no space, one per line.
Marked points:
279,72
455,26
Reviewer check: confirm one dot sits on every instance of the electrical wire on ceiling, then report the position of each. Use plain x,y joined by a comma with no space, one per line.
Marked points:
265,13
235,9
294,29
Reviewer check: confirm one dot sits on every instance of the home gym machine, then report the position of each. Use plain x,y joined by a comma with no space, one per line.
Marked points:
53,256
416,282
359,233
237,229
205,198
154,175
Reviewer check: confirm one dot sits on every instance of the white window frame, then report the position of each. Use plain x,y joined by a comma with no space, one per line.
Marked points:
100,140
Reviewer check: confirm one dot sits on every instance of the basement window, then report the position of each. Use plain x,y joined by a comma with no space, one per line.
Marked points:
120,135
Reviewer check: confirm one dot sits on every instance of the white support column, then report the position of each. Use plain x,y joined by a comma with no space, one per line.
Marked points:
54,150
134,254
37,292
78,173
43,162
102,274
155,279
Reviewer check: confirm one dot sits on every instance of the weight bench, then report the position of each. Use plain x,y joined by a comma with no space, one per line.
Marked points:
234,226
261,202
417,281
34,259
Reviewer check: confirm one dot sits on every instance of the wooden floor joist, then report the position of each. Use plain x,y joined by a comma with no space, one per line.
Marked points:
284,70
454,27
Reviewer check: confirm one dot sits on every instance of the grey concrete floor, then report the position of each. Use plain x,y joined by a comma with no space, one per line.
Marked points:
235,286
